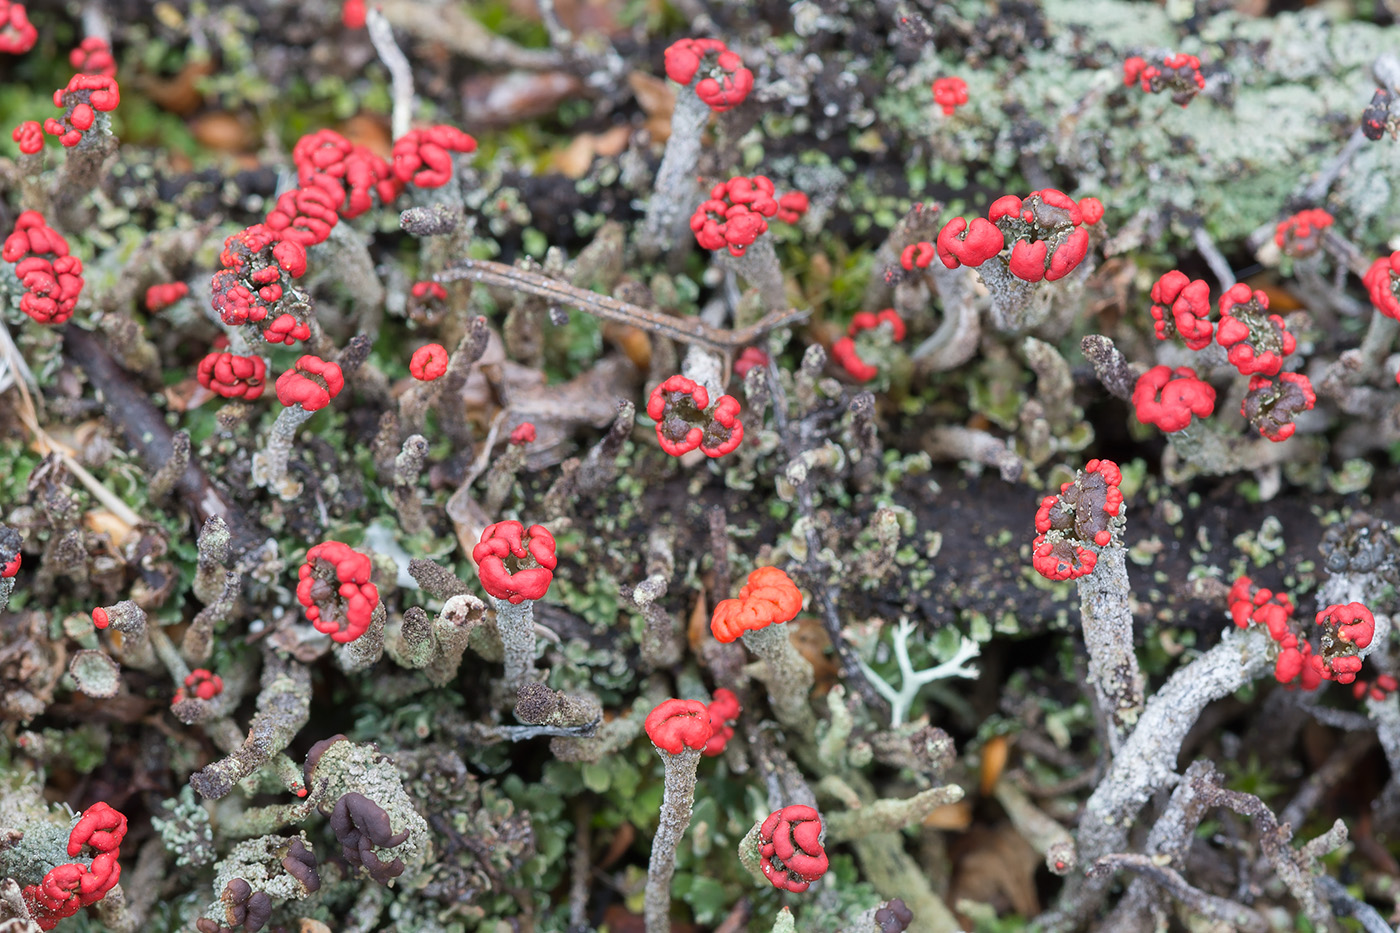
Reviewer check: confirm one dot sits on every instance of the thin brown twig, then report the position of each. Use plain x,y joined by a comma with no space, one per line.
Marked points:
686,330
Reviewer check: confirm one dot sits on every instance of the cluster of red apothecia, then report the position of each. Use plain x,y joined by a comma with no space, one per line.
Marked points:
737,213
91,91
337,179
1256,344
685,420
1047,230
1080,515
52,278
846,351
1176,72
70,887
1347,629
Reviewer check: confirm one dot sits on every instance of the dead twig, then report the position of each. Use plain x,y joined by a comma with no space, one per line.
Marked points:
685,330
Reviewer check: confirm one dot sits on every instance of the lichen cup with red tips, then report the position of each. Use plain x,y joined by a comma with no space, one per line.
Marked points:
515,566
680,730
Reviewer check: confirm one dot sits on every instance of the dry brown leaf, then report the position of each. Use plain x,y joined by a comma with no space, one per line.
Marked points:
178,94
612,142
371,132
951,816
654,94
574,160
101,521
811,641
186,395
996,866
993,762
657,101
223,132
634,343
698,630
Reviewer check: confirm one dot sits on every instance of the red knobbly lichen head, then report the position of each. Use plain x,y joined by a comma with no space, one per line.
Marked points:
159,297
963,244
1349,624
67,888
515,563
233,376
101,827
685,421
1182,306
844,350
748,359
17,34
100,618
1272,404
52,285
919,255
1381,280
769,597
93,56
790,848
1080,516
311,383
524,433
305,215
675,725
724,709
1384,686
84,95
792,206
1090,210
30,136
1169,398
351,173
200,683
1254,605
1046,234
429,362
334,586
422,157
734,214
286,329
1297,665
429,290
1301,233
725,82
1179,73
949,94
1257,342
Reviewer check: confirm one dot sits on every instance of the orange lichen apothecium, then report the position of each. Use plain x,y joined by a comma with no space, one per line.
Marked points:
767,598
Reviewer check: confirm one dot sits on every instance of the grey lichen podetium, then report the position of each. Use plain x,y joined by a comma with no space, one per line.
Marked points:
270,463
766,601
348,767
675,194
1079,535
679,729
283,707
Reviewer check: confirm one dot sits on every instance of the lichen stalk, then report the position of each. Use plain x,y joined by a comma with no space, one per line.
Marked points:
788,677
1146,761
1106,618
516,623
674,193
677,801
283,707
270,463
760,268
